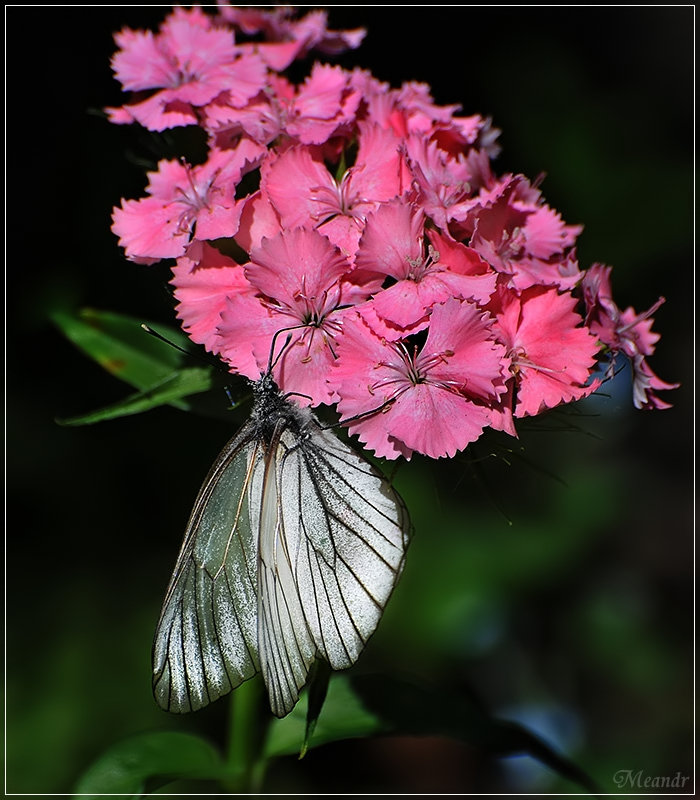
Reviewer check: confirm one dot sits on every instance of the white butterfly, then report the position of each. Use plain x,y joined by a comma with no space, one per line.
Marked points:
292,550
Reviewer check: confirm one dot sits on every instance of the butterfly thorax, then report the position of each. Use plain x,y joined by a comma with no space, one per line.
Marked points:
272,408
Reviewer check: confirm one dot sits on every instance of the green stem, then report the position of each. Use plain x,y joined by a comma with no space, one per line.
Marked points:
245,737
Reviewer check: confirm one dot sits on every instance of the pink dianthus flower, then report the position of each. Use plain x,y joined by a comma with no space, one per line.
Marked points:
627,332
394,246
186,65
285,37
386,267
299,284
204,279
523,238
552,354
323,106
184,203
304,193
434,401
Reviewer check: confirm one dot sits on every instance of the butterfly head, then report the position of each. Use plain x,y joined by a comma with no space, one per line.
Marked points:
271,405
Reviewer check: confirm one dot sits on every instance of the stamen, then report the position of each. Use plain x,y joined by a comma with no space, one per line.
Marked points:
641,317
195,200
422,266
412,369
520,360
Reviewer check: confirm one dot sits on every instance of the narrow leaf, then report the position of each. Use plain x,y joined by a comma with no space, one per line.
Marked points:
120,345
170,391
318,690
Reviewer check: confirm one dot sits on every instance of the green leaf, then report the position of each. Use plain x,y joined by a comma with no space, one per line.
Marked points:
167,755
318,691
343,717
120,345
192,380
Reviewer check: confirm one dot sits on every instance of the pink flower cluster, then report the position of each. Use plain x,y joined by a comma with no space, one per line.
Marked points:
424,295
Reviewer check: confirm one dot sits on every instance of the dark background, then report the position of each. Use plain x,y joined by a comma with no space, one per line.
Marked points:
566,605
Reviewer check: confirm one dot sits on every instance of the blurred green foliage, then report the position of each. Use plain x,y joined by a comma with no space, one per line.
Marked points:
564,603
151,364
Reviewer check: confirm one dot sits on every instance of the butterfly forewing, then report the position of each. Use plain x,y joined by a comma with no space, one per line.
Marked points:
206,638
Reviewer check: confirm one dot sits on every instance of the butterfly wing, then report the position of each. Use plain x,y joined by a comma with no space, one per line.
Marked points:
349,537
206,639
285,644
340,536
292,550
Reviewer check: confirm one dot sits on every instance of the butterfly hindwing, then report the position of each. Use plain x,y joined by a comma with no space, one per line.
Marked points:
285,644
206,638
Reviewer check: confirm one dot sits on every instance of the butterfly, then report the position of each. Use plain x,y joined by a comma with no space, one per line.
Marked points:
293,547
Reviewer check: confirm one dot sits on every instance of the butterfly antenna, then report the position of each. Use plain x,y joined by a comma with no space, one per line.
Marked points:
272,360
209,361
160,336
